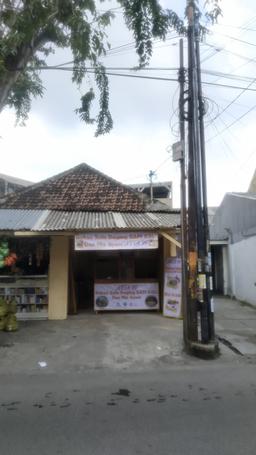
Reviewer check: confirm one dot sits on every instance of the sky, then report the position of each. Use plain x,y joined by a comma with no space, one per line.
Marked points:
145,112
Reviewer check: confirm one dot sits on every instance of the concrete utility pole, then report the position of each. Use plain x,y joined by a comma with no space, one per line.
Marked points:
183,196
199,333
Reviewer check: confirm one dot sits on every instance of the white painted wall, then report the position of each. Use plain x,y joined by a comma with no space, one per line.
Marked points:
226,271
243,270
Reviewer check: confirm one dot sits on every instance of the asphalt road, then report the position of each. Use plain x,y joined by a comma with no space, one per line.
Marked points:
203,408
122,385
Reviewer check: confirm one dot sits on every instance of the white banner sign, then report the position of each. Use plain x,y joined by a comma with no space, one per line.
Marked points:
116,241
126,296
172,287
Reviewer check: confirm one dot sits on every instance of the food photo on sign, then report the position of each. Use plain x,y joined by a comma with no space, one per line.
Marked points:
127,296
172,287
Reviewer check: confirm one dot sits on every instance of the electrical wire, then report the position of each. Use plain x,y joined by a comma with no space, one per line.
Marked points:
124,48
225,101
235,138
174,112
153,171
232,155
123,68
233,123
162,164
247,159
235,99
252,81
236,39
237,27
224,142
252,20
244,27
156,78
159,68
150,68
236,54
221,75
212,107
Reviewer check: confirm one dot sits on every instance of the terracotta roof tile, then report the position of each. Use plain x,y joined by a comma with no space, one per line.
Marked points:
80,188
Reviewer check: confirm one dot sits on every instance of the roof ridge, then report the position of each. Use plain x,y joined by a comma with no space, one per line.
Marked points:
41,182
69,171
61,190
112,179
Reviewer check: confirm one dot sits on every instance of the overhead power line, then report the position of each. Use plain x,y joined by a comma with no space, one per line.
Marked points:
234,100
127,47
123,68
235,39
233,123
236,54
218,49
154,170
227,146
159,68
162,163
137,76
236,77
246,29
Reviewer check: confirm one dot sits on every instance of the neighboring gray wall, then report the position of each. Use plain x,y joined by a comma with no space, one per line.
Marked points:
243,270
7,187
252,186
237,213
235,221
9,184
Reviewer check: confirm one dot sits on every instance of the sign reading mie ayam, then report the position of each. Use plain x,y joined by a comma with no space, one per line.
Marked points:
116,241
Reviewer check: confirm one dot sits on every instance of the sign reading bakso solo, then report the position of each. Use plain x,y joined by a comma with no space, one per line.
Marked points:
116,241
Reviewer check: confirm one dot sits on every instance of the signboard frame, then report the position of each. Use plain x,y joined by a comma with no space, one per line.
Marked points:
105,241
126,296
172,302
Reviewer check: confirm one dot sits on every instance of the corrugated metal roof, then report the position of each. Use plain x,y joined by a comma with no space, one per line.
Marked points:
77,221
15,220
151,220
69,221
53,220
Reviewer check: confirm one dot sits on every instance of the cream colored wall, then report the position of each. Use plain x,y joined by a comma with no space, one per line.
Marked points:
170,250
58,278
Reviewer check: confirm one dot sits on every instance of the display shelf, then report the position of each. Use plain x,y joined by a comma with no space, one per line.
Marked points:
32,316
30,293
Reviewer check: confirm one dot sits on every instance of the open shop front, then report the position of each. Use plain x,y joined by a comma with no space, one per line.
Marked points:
126,271
24,275
117,271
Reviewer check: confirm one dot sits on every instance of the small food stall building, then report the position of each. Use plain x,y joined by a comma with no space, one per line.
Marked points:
83,241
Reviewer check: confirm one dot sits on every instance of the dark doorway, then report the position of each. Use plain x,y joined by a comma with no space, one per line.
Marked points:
217,269
83,278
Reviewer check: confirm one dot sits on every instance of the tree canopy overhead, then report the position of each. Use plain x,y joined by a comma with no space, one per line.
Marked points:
30,30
